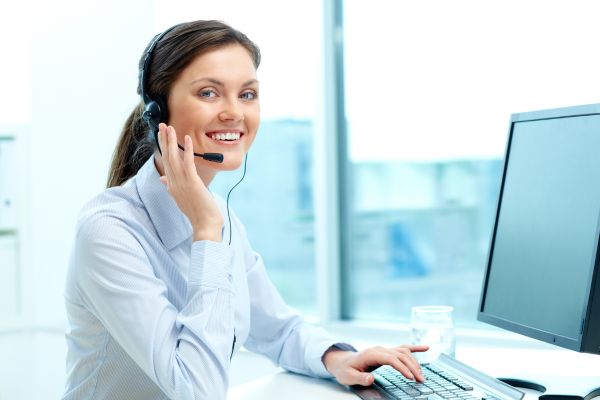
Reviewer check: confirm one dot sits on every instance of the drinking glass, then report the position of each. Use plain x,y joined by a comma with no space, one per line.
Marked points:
433,326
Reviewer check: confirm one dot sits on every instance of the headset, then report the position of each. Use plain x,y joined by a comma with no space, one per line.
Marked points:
155,109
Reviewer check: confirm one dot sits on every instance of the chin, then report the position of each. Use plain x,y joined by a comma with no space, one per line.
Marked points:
231,162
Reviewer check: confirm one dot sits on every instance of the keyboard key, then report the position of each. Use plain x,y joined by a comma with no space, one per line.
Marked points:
422,388
397,396
464,386
488,396
450,387
434,397
382,381
410,391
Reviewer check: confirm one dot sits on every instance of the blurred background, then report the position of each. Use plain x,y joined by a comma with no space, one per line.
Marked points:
380,151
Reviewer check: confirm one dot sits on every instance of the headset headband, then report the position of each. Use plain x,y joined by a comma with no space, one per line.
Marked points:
147,59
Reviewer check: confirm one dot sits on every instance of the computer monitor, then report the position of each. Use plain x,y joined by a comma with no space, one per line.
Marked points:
542,275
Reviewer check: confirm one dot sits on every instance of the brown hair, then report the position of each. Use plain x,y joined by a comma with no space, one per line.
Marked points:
171,55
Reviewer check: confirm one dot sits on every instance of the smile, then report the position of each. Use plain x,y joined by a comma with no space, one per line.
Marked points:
225,136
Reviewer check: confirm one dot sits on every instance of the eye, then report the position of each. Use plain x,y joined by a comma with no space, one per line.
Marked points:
207,93
249,95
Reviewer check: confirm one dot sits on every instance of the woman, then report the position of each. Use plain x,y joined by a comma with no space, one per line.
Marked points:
158,299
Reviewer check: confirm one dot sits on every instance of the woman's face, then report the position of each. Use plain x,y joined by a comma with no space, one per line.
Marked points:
215,101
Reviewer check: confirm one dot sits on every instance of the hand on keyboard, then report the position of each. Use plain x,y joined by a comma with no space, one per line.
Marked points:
446,379
353,368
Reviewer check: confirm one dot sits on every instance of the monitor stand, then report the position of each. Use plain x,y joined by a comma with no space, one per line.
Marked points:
583,391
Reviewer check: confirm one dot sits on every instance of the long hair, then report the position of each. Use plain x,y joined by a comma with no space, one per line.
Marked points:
171,55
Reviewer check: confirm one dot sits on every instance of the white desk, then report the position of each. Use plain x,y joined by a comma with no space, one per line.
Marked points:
562,371
288,386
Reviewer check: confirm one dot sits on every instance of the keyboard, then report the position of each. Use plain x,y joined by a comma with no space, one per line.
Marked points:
445,379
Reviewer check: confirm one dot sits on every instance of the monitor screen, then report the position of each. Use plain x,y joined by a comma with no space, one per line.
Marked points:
544,243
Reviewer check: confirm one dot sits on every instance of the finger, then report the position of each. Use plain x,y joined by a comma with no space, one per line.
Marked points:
412,364
172,144
174,169
188,155
414,348
390,357
162,140
402,368
406,357
376,357
354,377
164,180
409,354
176,159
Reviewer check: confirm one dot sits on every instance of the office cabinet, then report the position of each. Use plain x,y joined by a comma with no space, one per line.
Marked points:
9,281
9,267
8,184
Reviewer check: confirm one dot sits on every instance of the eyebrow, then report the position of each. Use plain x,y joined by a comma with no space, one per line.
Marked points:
219,83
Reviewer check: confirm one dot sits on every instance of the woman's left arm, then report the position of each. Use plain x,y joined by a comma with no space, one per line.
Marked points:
279,332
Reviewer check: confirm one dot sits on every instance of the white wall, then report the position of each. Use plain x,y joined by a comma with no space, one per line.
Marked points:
84,77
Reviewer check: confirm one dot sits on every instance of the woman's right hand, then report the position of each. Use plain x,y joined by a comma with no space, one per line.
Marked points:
189,191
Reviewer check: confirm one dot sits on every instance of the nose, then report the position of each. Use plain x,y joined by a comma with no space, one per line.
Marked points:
232,112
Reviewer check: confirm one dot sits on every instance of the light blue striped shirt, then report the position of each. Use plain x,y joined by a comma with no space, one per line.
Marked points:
152,315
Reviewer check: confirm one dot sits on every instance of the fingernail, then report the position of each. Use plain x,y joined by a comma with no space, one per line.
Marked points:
367,379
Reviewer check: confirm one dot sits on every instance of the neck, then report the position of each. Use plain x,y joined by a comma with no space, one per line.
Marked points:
205,173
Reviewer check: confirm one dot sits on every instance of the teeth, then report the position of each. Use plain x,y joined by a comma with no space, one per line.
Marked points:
226,136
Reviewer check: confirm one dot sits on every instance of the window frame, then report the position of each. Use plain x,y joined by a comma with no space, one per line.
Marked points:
331,174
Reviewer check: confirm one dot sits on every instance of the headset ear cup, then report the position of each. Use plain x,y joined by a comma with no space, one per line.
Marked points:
151,115
163,110
154,113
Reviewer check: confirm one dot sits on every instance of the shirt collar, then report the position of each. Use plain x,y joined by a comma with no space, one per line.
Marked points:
172,225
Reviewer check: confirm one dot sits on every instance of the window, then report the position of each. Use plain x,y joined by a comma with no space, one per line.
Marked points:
429,90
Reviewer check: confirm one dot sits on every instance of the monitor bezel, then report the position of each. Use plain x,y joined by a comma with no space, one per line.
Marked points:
532,332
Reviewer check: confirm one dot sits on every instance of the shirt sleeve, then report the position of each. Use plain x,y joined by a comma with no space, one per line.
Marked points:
187,352
279,332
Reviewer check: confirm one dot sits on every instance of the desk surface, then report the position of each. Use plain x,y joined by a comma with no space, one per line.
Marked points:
561,371
297,387
288,386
